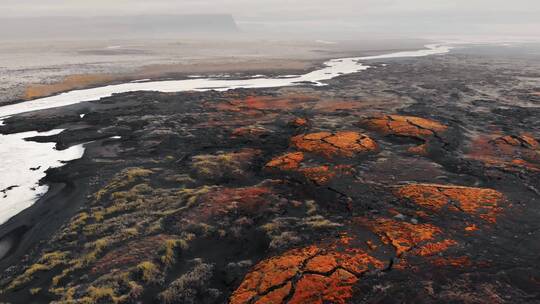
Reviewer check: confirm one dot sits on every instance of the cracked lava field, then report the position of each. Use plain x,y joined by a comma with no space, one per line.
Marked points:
413,182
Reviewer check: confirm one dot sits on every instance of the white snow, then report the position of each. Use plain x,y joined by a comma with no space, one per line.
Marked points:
23,164
141,80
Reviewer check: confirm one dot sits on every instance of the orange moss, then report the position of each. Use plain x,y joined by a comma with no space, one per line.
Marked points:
319,175
420,150
409,126
344,143
323,174
402,264
463,261
471,228
287,161
402,235
422,214
276,296
481,201
270,273
435,248
299,122
530,141
265,103
509,152
314,274
252,131
331,106
247,198
319,289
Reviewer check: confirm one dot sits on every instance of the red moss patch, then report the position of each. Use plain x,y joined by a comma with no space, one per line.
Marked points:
319,175
435,248
262,103
409,126
299,122
331,106
511,153
420,150
224,200
319,274
344,143
479,201
403,236
461,262
250,132
131,254
287,161
471,228
322,175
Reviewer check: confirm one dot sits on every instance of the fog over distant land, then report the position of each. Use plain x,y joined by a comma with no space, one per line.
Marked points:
136,26
384,17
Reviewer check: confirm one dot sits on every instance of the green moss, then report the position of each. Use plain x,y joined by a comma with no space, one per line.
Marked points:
168,256
98,215
47,262
215,167
123,179
95,248
110,222
101,293
78,220
66,293
320,222
149,272
168,249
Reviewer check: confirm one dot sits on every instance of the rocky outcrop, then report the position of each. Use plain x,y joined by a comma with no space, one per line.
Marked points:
412,127
343,143
315,274
508,152
484,203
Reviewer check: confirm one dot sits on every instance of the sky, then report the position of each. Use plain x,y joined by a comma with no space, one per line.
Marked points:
517,17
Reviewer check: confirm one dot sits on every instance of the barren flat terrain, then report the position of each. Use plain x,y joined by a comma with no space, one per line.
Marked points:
33,69
415,181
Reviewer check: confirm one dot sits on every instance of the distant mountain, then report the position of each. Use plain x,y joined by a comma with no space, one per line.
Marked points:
115,26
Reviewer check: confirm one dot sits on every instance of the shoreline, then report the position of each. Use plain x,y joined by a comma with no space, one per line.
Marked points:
174,59
327,70
68,188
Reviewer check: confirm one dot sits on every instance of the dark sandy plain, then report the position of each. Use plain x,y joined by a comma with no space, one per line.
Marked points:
412,182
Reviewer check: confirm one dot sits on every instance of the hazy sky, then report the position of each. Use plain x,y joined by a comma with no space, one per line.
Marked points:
407,16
